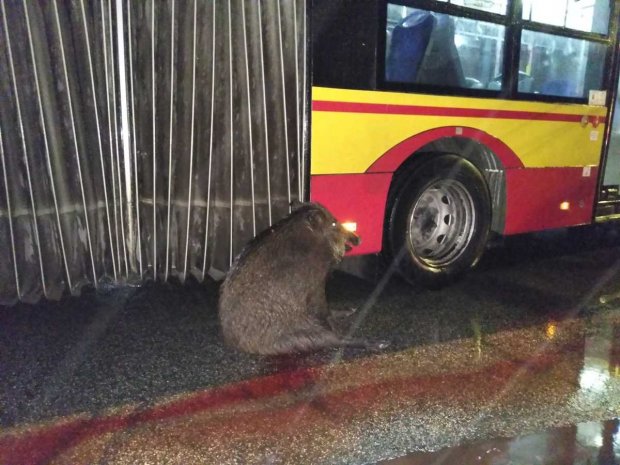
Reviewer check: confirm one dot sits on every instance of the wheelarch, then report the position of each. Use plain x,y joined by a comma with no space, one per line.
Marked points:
480,155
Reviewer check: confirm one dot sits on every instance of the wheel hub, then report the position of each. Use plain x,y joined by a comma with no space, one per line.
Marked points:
441,223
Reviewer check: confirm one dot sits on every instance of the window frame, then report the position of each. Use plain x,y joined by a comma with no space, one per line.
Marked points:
514,25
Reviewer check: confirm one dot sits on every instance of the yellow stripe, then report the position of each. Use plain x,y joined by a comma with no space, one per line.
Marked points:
442,101
351,142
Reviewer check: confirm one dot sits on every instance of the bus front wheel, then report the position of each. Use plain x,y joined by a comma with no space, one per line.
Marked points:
440,220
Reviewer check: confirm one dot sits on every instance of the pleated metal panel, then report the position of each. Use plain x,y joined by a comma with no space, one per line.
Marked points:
144,139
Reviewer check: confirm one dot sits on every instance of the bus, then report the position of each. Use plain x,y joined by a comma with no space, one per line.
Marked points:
436,124
150,140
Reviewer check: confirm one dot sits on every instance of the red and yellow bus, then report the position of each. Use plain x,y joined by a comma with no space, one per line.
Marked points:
436,123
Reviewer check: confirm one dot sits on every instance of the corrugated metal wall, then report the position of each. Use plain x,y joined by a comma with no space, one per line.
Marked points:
143,138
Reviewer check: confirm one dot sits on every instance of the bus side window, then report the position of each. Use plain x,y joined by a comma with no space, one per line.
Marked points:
421,50
424,47
560,66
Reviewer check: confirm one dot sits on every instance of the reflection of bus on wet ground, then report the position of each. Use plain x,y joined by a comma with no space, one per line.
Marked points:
589,442
438,123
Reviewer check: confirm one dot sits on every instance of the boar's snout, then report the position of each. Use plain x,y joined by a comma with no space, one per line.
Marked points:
351,240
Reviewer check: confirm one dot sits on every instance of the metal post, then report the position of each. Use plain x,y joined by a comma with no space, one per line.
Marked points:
170,144
191,146
117,151
297,114
154,238
125,134
302,117
135,153
265,121
288,168
204,259
111,139
247,78
232,154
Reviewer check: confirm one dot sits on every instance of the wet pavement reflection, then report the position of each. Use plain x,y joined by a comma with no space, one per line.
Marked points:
592,443
517,364
357,410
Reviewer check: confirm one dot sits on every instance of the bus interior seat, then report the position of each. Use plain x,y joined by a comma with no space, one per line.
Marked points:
559,87
441,65
408,45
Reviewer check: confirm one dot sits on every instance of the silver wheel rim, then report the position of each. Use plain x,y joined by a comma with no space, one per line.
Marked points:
441,223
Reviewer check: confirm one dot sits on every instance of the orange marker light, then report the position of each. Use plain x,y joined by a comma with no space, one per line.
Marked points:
565,206
350,226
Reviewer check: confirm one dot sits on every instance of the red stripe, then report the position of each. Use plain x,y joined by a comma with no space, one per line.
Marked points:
391,109
394,157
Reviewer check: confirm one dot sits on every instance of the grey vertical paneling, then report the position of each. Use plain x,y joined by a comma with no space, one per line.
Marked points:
43,127
98,127
144,139
25,134
78,154
8,287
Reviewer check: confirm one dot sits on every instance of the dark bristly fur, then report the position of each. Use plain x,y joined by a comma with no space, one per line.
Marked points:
273,298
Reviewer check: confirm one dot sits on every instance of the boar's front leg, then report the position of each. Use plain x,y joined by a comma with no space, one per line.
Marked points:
317,302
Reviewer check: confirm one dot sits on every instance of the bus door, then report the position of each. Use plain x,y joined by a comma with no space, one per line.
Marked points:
608,206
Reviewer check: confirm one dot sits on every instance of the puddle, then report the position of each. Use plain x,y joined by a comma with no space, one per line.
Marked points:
592,443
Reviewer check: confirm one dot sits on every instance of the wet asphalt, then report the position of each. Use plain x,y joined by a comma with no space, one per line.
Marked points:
522,356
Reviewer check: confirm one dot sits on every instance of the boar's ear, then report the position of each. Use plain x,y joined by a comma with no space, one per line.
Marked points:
315,218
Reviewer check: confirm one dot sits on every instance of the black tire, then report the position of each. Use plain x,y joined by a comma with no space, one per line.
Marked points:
439,222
